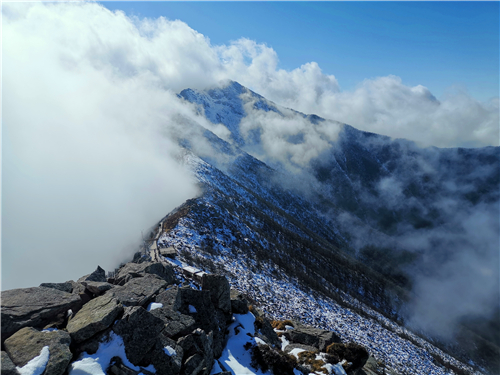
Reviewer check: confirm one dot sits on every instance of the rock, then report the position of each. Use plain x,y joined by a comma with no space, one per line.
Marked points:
206,316
220,291
193,364
139,330
198,343
8,367
166,356
77,287
176,324
239,305
96,287
98,275
170,298
354,354
316,337
95,316
133,270
138,291
64,287
28,342
34,307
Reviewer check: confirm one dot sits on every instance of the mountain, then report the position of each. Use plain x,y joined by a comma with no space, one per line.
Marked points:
324,221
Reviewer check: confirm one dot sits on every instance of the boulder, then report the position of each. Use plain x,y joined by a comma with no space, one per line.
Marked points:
8,367
170,298
138,291
95,316
176,324
133,270
220,291
77,287
239,305
64,287
96,287
98,275
34,307
166,356
316,337
28,342
139,330
193,365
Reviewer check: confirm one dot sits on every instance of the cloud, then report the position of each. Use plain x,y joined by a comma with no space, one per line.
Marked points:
89,113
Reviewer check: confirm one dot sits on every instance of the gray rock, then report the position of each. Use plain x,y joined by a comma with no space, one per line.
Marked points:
239,305
133,270
34,307
166,356
316,337
98,275
95,316
28,342
170,298
138,291
77,287
176,324
64,287
139,330
96,287
220,291
8,367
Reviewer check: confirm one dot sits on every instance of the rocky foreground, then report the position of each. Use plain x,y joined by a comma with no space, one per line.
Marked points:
149,319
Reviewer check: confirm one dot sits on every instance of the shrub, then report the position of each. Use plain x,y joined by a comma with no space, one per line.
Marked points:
267,358
308,358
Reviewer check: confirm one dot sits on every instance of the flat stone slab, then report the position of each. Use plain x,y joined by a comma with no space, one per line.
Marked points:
138,291
133,270
34,307
95,316
316,337
28,342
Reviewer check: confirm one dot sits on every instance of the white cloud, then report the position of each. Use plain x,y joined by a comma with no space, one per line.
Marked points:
88,101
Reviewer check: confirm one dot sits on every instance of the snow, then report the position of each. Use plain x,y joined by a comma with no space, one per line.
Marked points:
154,306
169,351
192,309
98,363
284,342
37,365
49,329
235,358
216,369
295,352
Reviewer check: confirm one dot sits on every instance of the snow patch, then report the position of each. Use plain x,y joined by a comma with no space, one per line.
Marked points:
37,365
98,363
192,309
154,305
169,351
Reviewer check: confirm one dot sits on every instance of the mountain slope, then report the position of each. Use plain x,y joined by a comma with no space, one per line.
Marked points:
330,222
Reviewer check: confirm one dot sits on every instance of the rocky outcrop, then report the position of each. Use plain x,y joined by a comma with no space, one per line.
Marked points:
139,330
180,333
220,291
35,307
134,270
95,316
28,342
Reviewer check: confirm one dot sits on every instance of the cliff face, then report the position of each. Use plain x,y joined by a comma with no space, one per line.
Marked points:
151,318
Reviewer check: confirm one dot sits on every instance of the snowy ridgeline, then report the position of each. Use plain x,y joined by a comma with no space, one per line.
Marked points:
286,299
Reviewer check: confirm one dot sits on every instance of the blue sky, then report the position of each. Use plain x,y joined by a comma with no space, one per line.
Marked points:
435,44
